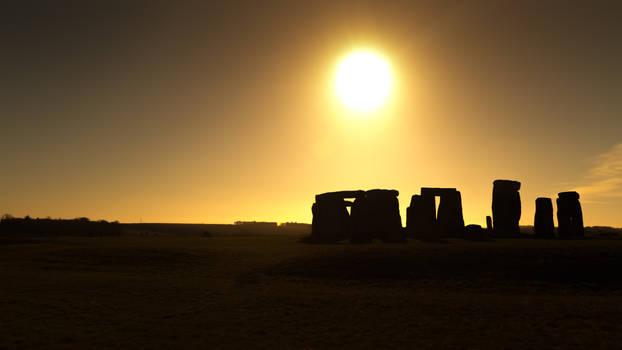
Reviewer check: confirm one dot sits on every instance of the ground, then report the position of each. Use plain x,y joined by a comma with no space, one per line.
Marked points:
273,291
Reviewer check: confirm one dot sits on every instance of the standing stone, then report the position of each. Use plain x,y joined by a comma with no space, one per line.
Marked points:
569,215
506,207
422,220
543,221
383,217
331,221
488,223
450,219
361,231
421,217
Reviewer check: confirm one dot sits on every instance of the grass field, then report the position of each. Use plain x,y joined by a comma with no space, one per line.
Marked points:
168,292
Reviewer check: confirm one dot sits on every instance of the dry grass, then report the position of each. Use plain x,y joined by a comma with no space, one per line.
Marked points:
271,291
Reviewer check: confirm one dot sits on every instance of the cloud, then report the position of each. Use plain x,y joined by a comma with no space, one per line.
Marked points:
609,164
611,188
604,180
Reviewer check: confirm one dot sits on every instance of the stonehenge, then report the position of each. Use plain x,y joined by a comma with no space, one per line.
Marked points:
506,207
569,215
543,221
423,221
373,214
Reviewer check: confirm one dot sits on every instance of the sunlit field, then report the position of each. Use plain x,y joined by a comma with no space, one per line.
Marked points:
273,291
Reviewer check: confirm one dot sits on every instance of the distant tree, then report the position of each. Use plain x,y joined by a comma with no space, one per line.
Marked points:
7,217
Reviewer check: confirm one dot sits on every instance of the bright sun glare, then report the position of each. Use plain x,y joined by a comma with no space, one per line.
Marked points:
363,81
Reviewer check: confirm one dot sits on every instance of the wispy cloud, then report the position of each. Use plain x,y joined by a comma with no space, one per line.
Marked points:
604,180
609,163
602,188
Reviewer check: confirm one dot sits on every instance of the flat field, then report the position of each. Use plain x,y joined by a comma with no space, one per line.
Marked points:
164,292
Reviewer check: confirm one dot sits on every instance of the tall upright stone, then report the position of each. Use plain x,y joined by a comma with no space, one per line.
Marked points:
331,220
488,223
383,215
506,207
373,214
421,217
569,215
361,230
449,217
543,225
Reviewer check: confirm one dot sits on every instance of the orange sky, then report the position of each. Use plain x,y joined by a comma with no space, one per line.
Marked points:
219,112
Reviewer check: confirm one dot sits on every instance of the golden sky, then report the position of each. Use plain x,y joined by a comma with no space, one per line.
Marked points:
221,111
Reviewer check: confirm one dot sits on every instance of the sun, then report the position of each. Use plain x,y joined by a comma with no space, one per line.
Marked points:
363,81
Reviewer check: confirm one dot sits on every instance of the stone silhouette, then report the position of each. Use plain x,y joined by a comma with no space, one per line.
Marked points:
374,214
421,217
331,220
422,221
569,215
543,221
475,233
506,207
377,215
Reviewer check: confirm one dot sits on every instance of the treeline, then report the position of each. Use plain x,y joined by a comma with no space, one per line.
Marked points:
27,226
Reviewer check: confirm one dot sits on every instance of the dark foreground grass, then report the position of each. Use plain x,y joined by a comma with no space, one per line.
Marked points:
267,292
